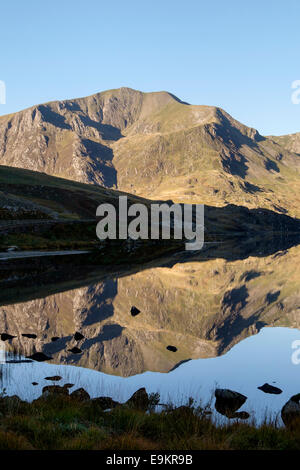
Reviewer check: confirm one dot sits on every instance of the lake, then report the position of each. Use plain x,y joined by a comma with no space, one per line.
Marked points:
232,321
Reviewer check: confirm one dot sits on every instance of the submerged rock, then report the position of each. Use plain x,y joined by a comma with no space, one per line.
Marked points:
80,395
54,338
6,336
54,378
139,400
267,388
290,412
34,383
134,311
39,357
68,385
228,401
78,336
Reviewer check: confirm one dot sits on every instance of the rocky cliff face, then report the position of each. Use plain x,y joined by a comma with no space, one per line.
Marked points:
202,308
156,146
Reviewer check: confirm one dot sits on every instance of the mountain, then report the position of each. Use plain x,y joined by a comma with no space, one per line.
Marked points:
26,194
290,142
155,146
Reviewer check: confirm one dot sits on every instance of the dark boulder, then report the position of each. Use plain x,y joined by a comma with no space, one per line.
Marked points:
134,311
241,415
29,335
80,395
139,400
105,402
290,412
78,336
228,401
68,385
54,390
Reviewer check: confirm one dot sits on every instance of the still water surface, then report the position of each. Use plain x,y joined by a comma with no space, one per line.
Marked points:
233,324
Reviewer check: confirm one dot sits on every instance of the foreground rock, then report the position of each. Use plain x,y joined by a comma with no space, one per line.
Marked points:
49,390
80,395
290,412
181,412
228,402
39,357
267,388
241,415
139,400
106,403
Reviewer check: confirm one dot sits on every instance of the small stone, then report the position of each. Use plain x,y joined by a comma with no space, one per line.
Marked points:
171,348
241,415
54,378
134,311
270,389
68,385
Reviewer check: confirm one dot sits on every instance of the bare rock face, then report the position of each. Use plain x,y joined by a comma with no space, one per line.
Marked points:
154,145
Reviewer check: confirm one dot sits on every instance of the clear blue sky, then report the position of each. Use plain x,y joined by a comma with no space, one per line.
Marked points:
240,55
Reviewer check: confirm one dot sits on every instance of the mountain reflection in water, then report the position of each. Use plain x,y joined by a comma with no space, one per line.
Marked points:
202,307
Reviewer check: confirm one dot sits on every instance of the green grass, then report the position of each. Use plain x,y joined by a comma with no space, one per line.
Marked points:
60,422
